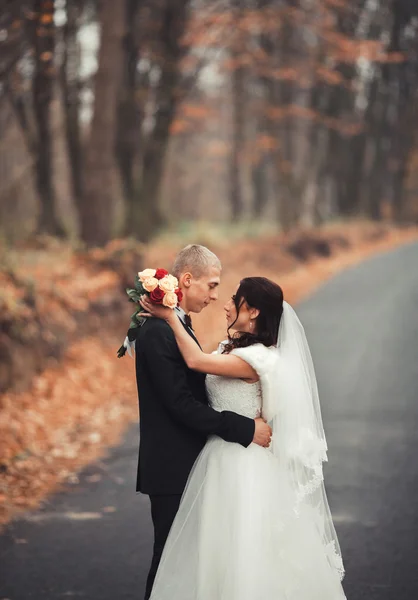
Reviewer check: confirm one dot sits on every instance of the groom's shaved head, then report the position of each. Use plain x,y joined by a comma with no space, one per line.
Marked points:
195,259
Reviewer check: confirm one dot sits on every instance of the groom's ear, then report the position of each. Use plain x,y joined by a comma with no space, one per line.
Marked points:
186,279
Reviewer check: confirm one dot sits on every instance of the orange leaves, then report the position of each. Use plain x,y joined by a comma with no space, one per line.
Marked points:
295,111
195,111
266,142
237,62
347,50
229,29
329,76
251,21
65,418
47,19
46,56
337,3
285,74
68,417
16,24
179,126
278,113
262,146
236,33
392,58
190,116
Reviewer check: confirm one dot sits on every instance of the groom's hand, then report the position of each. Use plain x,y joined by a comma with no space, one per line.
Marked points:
262,433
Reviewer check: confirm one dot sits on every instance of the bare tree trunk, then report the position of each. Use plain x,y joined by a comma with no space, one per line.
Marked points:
43,35
379,147
129,112
404,112
349,174
260,166
237,141
70,84
263,126
288,190
144,216
101,181
280,95
260,186
402,152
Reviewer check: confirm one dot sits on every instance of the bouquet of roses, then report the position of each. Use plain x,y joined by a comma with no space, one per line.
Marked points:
161,288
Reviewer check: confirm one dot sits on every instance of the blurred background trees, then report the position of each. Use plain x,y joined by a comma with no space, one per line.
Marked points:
119,118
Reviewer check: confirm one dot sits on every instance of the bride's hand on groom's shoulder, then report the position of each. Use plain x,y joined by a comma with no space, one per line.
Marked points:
262,433
155,310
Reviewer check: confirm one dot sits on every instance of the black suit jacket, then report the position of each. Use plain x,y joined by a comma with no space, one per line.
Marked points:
175,418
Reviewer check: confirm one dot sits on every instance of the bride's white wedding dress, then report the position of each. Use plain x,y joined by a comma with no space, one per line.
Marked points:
238,535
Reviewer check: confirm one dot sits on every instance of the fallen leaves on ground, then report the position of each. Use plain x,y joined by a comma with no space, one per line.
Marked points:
70,413
80,405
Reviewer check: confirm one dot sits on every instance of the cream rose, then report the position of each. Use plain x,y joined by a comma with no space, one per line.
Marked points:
146,274
150,283
168,283
174,281
170,300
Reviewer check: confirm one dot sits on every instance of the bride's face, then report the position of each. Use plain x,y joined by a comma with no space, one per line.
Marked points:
242,320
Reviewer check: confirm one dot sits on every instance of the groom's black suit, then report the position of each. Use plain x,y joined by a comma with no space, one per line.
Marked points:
175,420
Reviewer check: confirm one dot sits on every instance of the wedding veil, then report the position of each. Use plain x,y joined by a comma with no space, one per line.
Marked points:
298,434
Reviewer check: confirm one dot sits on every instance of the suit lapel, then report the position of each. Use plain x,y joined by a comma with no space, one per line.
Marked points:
190,332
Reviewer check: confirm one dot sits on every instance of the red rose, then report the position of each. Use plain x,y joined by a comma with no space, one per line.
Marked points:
157,296
160,273
179,295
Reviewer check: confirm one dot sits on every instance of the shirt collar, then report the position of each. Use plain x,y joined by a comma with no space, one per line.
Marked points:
181,313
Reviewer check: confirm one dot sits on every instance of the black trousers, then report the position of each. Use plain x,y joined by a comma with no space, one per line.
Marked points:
163,512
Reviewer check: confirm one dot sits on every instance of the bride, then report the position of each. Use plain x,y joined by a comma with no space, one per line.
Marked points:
254,523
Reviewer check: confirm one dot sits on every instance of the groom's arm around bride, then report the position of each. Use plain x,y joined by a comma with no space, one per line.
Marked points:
175,418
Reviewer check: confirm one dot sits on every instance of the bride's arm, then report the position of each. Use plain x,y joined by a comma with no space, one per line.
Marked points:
226,365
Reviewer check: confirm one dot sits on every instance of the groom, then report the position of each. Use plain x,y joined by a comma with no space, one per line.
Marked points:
175,418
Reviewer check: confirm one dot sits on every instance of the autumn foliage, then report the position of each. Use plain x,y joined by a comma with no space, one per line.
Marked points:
294,112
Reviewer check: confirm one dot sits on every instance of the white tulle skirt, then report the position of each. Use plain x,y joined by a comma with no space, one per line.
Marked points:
236,536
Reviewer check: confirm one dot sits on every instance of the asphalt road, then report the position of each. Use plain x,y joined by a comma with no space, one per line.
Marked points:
93,540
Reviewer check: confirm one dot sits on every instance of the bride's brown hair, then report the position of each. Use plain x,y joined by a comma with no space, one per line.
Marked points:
267,297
